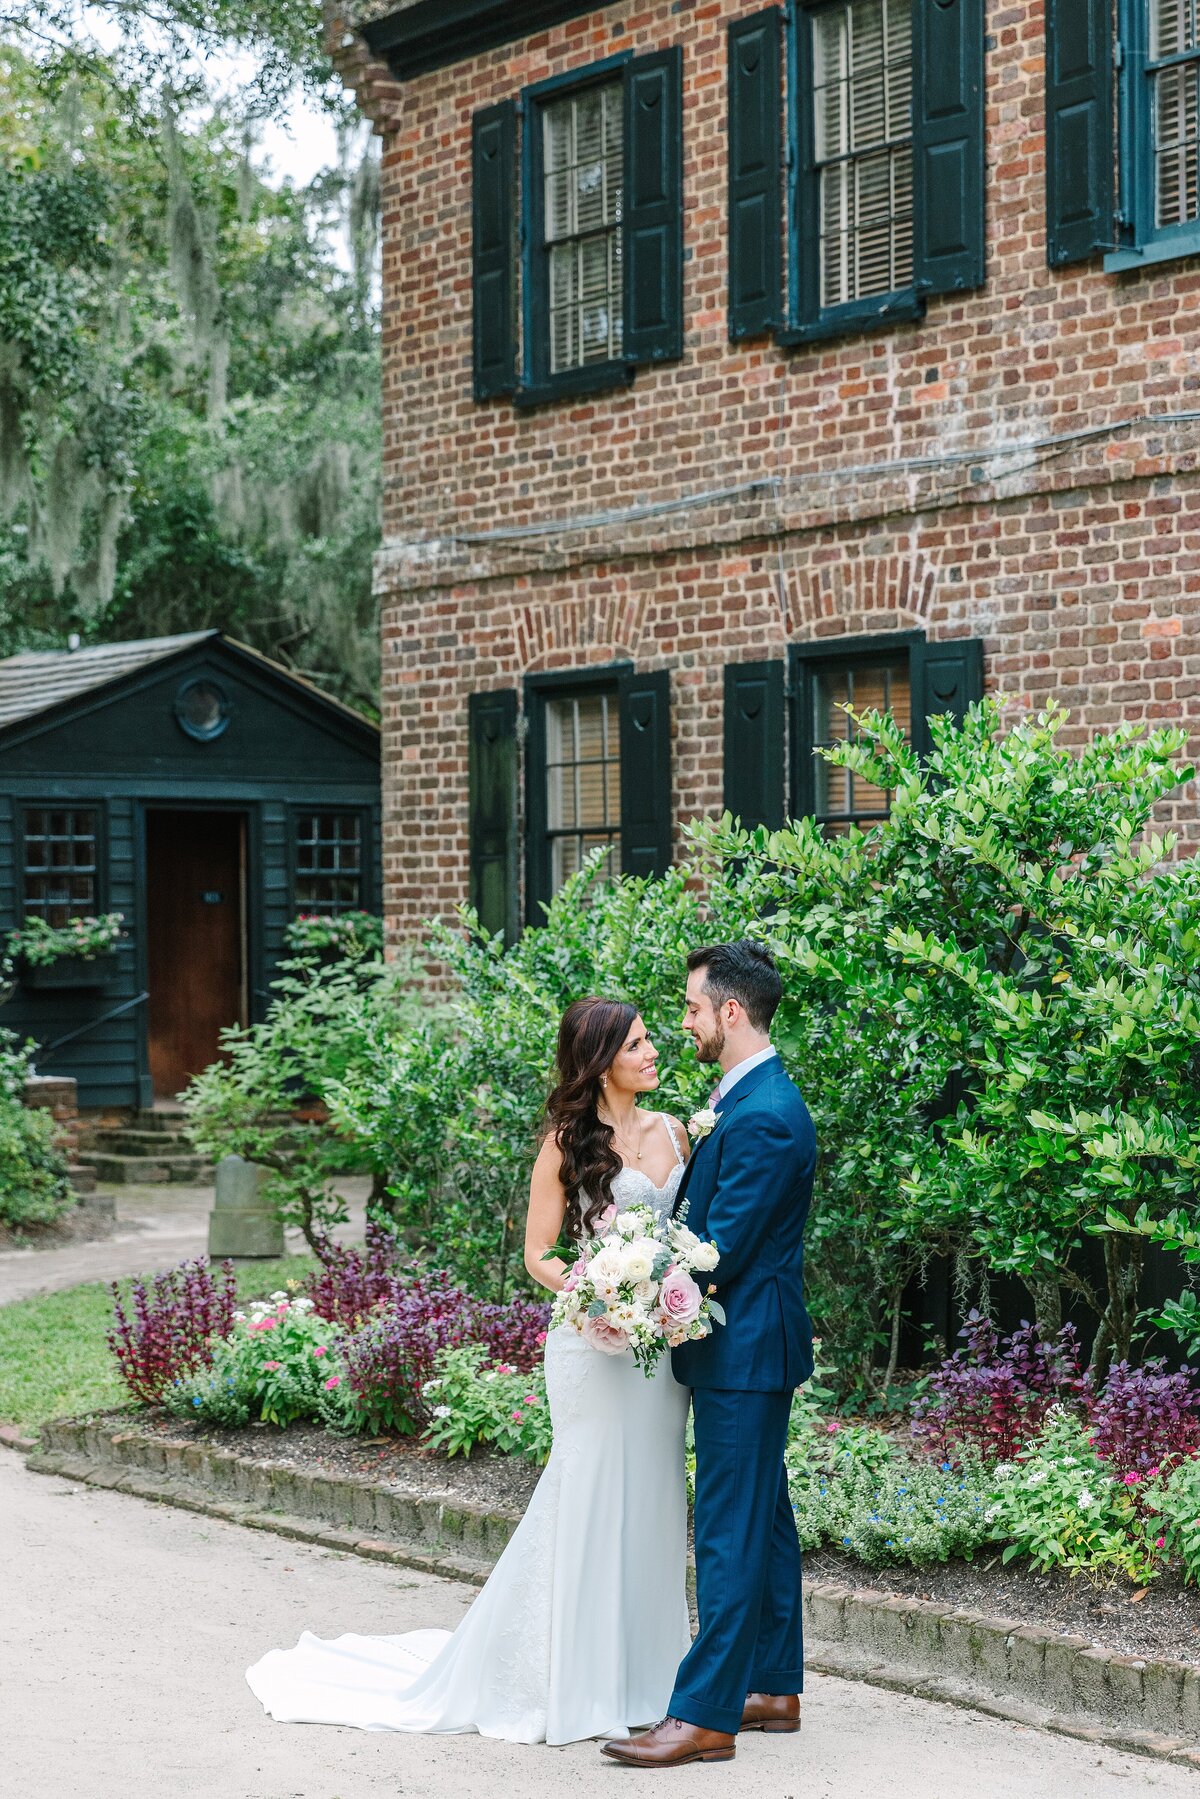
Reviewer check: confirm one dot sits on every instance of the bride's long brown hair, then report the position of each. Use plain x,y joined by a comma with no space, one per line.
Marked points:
589,1037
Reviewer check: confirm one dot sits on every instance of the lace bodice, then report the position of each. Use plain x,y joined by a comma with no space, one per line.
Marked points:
635,1188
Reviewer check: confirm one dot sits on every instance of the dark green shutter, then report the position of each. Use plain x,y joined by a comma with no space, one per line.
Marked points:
948,145
754,743
947,678
1079,129
653,225
493,249
646,773
492,786
755,173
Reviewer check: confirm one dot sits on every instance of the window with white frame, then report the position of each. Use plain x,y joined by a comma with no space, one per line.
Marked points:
583,171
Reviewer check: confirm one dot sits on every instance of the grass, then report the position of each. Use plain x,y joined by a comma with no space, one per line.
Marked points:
54,1361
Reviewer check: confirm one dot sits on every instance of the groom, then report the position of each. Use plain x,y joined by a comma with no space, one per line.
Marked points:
748,1187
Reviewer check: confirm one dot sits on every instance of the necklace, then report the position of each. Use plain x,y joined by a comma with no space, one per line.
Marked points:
623,1139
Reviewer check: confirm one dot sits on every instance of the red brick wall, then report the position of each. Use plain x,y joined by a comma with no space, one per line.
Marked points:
988,471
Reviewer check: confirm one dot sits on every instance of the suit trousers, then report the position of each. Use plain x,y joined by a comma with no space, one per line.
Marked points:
751,1637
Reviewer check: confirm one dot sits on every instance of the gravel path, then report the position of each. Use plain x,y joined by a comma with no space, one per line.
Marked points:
156,1228
126,1627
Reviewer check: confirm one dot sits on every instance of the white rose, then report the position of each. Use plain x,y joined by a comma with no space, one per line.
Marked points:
606,1269
705,1256
702,1122
684,1240
638,1259
646,1292
629,1224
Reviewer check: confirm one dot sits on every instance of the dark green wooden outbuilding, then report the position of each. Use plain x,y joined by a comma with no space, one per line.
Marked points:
206,794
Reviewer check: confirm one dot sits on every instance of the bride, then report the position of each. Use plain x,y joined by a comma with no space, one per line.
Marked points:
583,1622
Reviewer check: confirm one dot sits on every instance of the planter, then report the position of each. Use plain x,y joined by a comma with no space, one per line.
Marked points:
71,971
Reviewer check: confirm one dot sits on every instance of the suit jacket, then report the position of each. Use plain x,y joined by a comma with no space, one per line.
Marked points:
748,1188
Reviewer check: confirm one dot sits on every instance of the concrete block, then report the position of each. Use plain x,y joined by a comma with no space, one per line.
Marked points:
243,1223
1027,1660
1162,1696
1126,1688
1091,1682
825,1613
1059,1672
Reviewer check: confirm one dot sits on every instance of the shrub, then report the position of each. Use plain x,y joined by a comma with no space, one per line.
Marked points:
352,1282
856,1492
993,1394
278,1364
169,1329
1172,1504
1146,1418
39,943
355,935
1059,1505
474,1400
33,1172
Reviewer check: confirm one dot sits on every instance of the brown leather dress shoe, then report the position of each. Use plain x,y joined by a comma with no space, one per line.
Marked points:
771,1711
670,1744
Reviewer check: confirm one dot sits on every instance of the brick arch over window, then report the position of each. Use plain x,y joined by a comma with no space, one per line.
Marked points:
853,592
569,633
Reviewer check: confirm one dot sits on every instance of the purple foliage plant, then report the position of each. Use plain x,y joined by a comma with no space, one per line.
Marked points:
993,1394
168,1330
1145,1419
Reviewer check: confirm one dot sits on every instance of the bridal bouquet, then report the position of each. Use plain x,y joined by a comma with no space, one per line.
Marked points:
633,1287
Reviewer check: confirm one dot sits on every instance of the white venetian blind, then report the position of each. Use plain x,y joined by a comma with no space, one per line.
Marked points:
862,107
583,157
1173,34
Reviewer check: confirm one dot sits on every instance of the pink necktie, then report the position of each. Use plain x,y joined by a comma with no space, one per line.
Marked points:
714,1096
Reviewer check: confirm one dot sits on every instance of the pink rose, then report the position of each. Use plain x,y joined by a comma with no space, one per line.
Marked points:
680,1297
602,1335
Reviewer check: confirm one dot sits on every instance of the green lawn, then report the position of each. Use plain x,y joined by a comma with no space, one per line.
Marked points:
54,1362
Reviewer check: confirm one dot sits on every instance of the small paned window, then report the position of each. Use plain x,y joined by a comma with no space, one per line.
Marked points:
61,864
862,116
329,862
1174,72
583,163
843,798
583,782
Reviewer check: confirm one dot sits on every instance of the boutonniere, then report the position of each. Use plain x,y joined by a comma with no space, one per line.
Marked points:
702,1122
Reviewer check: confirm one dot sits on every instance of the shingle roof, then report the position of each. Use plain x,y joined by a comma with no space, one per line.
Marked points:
38,679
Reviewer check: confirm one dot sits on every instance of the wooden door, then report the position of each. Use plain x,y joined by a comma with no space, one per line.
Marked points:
195,924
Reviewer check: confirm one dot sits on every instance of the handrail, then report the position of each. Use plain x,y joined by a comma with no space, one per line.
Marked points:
92,1024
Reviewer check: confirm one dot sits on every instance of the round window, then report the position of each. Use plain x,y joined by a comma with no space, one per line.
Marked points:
202,709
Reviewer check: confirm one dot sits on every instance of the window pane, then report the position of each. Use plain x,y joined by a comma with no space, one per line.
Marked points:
862,112
328,862
583,781
842,798
60,865
583,157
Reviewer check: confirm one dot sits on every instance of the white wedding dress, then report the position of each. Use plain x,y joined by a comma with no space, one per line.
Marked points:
583,1621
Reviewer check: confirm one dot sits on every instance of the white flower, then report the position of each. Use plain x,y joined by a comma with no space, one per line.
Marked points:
646,1292
441,1411
606,1269
989,1517
683,1239
1004,1471
303,1305
629,1224
704,1256
431,1386
278,1296
702,1122
1086,1498
1036,1478
638,1259
490,1375
239,1317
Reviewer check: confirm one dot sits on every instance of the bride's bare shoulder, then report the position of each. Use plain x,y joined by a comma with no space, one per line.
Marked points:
676,1129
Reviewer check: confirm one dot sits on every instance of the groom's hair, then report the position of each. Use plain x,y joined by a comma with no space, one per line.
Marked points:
742,971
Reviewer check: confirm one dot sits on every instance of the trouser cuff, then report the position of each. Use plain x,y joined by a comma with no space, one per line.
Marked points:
705,1715
777,1680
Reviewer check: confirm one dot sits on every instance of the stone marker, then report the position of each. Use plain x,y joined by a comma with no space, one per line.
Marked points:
242,1222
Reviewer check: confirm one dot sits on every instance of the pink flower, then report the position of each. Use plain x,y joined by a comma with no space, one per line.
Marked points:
504,1368
263,1324
833,1427
1131,1480
282,1307
1160,1542
541,1336
272,1365
602,1335
604,1220
680,1298
518,1417
532,1399
1150,1473
335,1380
320,1350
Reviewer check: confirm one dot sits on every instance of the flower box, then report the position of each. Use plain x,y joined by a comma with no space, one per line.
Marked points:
71,971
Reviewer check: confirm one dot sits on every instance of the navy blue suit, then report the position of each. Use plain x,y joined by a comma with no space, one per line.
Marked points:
748,1187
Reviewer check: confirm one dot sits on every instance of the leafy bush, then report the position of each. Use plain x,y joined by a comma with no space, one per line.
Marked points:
473,1400
277,1365
853,1489
33,1172
352,934
1146,1418
1064,1509
992,1395
1172,1505
351,1283
169,1330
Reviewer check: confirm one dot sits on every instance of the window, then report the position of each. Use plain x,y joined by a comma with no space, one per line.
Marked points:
583,164
885,194
585,283
583,783
1158,212
328,862
61,864
900,673
862,156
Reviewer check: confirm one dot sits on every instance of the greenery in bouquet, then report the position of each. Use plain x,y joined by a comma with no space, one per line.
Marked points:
39,944
474,1402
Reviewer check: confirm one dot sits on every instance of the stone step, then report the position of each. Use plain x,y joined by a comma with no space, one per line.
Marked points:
122,1142
82,1180
157,1118
148,1170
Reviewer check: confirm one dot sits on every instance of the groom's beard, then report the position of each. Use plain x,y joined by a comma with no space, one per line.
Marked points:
708,1049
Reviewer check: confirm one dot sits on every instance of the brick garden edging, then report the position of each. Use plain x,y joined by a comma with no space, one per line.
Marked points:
1010,1670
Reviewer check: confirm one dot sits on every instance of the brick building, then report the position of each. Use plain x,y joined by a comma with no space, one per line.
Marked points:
741,361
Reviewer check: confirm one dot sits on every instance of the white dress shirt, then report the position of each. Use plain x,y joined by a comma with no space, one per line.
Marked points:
733,1075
